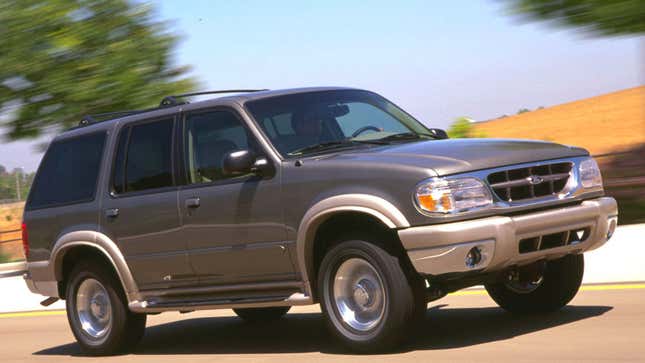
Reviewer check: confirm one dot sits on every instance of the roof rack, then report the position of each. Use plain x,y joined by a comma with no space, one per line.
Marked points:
168,101
98,117
174,99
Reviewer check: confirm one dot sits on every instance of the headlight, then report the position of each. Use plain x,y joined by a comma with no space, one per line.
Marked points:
450,196
590,174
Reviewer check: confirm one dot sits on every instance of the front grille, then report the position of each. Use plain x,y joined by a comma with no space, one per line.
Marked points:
530,182
554,240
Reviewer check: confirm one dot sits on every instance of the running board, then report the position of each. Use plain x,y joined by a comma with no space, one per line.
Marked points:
251,302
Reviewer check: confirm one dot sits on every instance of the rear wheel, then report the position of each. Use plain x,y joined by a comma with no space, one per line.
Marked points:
537,293
97,311
262,314
365,296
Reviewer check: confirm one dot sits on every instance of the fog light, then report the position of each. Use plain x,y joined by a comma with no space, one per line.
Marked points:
473,257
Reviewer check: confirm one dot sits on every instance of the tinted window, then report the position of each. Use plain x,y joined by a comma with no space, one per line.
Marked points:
295,121
361,114
69,172
209,137
148,157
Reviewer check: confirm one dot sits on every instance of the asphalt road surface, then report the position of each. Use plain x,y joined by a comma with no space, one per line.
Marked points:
603,323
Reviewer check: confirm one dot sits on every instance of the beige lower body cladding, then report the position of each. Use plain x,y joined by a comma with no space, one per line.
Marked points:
442,248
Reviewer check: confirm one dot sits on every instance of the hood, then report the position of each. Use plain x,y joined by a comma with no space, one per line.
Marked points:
454,156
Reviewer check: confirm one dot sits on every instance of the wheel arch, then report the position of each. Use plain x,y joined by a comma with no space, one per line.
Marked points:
370,206
92,242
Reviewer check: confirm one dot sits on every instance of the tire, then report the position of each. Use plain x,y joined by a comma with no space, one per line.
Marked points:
123,328
560,283
262,314
361,276
420,301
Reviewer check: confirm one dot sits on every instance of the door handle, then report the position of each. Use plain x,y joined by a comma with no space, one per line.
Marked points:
192,203
112,213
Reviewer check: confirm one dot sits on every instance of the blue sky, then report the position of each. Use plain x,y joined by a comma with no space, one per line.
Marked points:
438,60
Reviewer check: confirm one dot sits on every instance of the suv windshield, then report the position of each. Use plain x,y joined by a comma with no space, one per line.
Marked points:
311,122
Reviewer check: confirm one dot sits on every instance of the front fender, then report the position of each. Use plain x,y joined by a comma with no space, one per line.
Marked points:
371,205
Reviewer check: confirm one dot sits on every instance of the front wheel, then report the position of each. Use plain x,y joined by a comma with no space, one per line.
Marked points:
98,313
365,296
546,292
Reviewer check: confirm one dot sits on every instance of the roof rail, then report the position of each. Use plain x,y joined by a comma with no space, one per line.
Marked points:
167,101
107,116
98,117
174,99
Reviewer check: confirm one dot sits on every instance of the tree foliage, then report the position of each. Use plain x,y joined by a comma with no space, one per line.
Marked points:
9,181
63,59
598,17
463,128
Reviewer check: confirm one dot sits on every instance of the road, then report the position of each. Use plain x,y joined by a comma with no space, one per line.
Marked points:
602,323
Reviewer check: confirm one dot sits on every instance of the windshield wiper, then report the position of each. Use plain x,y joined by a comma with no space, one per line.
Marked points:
406,136
324,146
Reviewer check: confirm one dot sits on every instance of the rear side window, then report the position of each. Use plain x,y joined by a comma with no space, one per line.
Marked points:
69,172
144,157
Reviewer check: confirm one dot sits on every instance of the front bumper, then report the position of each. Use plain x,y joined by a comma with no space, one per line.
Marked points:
442,248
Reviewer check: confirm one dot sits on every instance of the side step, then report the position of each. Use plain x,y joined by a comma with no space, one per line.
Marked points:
189,305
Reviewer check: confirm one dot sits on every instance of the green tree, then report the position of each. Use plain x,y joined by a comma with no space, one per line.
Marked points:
523,110
63,59
8,185
598,17
463,128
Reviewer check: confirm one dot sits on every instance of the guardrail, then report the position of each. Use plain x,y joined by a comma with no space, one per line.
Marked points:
12,269
3,233
622,181
11,244
9,201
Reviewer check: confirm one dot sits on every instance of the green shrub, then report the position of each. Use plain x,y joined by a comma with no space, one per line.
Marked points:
4,258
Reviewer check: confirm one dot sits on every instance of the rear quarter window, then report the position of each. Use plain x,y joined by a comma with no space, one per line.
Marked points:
69,172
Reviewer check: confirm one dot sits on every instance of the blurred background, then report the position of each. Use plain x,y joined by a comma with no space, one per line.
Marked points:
568,71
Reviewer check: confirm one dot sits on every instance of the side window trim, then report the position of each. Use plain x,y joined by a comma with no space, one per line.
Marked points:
173,155
126,129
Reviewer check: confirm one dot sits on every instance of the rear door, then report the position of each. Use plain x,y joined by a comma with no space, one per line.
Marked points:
233,225
140,210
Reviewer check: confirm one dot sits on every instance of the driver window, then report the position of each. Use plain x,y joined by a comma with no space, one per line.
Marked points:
209,137
361,114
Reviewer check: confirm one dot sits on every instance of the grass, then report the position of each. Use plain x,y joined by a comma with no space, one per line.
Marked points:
4,258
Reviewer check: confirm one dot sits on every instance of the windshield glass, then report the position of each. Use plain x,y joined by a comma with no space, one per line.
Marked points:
297,123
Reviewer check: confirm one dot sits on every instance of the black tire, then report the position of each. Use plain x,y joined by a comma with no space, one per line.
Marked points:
262,314
420,301
398,301
560,283
125,327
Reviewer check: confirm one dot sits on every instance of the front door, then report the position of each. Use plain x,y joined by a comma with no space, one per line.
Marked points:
140,211
233,226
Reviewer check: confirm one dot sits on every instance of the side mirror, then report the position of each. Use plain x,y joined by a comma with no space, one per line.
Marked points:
241,162
238,162
439,133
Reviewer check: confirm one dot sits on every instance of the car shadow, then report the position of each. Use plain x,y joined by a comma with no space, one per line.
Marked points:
298,333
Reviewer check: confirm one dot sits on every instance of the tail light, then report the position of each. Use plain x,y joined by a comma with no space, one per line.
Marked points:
25,239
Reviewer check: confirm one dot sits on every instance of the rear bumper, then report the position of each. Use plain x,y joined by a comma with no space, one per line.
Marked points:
40,280
441,249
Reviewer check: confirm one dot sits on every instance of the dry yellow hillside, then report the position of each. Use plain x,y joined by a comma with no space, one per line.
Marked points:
601,124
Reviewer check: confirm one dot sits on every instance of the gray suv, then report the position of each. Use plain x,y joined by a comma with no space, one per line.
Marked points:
263,200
